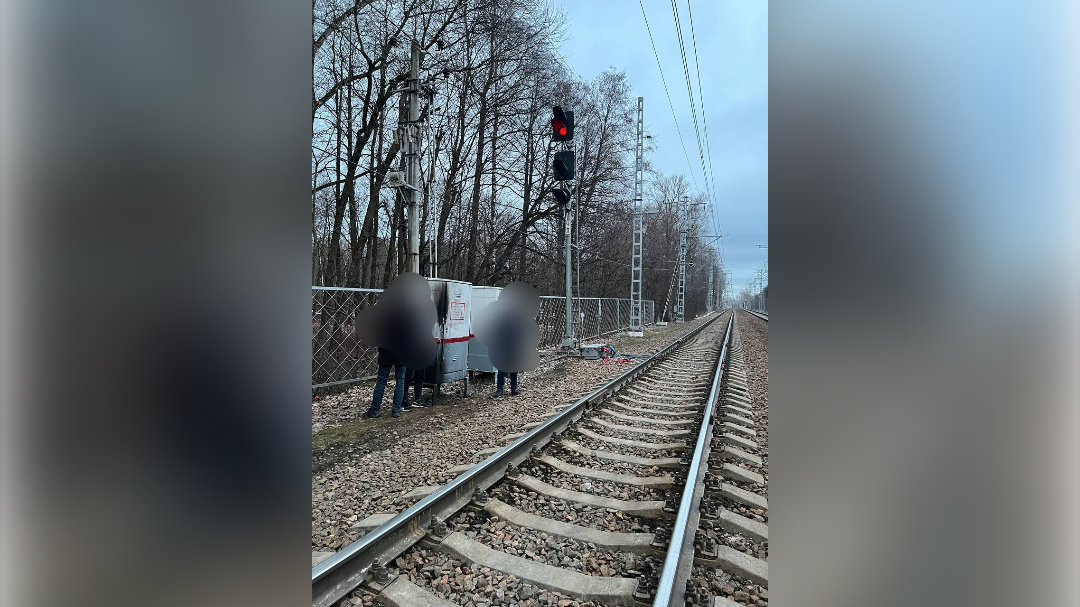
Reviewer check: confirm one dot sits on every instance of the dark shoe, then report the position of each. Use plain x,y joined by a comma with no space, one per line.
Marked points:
498,393
419,404
514,393
397,413
406,407
369,415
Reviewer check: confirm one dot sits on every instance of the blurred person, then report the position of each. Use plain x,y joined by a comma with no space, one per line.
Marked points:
387,359
401,321
399,324
508,329
500,381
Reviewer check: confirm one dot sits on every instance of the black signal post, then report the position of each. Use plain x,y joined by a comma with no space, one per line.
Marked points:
562,168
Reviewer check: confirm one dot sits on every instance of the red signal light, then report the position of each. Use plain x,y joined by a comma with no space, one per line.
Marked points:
562,124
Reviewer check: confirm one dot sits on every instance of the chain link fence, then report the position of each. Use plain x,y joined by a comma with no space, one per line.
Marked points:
338,357
594,317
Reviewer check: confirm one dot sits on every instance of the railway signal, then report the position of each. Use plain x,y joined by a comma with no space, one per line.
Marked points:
563,165
562,124
562,168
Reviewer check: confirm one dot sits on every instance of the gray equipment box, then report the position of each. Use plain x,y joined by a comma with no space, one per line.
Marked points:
592,351
482,297
452,335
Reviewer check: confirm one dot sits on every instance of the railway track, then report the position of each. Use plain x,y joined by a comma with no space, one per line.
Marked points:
760,315
624,497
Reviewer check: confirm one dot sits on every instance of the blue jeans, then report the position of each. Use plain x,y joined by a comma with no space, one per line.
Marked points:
416,378
500,381
380,387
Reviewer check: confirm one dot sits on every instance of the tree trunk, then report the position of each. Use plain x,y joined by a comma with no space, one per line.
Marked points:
495,269
451,191
474,204
369,235
353,276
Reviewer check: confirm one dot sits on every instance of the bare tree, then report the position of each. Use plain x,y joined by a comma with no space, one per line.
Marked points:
490,72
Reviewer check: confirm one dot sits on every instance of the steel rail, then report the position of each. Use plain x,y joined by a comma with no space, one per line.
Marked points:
671,587
764,317
337,576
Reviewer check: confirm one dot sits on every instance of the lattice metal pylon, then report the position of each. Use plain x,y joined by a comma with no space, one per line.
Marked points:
680,314
637,250
665,314
709,300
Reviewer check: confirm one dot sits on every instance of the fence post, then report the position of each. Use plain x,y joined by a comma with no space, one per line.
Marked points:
599,315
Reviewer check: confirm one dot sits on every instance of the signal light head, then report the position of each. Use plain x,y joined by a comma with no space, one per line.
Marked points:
562,166
562,124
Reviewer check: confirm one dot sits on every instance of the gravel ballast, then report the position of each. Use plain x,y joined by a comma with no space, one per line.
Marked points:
362,467
752,345
415,448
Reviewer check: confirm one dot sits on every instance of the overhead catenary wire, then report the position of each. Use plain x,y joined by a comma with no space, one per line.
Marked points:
710,187
667,92
704,122
709,177
689,90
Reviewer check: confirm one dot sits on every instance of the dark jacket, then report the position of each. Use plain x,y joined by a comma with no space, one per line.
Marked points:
387,357
508,344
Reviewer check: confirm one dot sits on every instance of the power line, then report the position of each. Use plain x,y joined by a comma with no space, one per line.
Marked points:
689,91
701,99
668,93
710,176
717,227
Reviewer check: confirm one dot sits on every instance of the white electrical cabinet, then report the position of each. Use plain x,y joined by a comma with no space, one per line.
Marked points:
452,332
482,297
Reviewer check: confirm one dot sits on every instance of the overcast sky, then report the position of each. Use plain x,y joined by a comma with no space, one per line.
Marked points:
732,45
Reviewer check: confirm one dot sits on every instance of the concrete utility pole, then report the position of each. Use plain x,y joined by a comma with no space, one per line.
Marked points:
681,305
412,155
637,249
